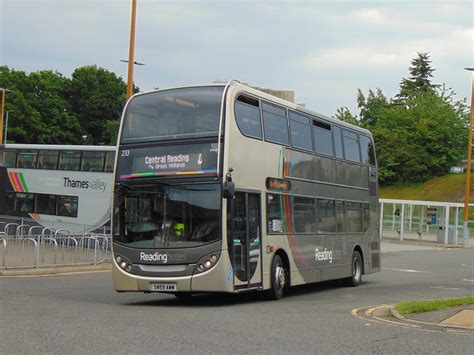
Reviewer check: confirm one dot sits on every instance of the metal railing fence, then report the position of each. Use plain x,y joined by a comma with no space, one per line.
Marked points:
45,250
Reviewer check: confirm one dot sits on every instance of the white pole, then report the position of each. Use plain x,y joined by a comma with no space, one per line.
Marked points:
411,215
381,220
456,217
446,224
393,218
402,215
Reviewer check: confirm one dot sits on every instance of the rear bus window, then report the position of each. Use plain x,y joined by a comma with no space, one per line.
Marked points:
367,150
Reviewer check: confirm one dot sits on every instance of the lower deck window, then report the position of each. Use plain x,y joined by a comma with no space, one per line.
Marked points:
17,203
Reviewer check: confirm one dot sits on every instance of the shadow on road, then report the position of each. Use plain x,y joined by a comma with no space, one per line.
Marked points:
226,300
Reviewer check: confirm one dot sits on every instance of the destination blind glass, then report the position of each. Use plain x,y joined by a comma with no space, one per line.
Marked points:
188,159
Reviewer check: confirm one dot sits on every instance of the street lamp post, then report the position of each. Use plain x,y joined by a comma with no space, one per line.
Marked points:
131,50
6,125
2,113
468,166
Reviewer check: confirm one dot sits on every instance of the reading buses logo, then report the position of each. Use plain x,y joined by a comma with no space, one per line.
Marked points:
323,255
154,257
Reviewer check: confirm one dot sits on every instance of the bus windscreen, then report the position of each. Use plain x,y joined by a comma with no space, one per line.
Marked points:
173,114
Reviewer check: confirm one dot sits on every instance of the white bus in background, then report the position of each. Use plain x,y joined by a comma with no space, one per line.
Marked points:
62,186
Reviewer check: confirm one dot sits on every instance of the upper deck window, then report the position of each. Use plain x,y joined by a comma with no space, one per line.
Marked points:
275,124
173,114
300,131
92,161
48,159
367,150
27,159
351,145
247,115
109,161
8,158
322,138
70,160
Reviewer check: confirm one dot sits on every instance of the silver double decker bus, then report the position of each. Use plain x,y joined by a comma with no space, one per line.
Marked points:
224,188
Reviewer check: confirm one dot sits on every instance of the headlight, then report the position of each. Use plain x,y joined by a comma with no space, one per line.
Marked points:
124,263
206,263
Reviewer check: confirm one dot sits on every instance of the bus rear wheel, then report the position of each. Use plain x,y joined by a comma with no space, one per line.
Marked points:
356,270
279,278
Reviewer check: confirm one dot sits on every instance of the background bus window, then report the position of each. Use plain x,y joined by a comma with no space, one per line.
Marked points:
92,161
27,159
354,217
9,206
45,204
322,138
247,115
109,161
275,124
48,159
367,150
67,206
70,160
25,203
300,131
275,217
304,215
351,146
337,142
340,215
326,213
8,158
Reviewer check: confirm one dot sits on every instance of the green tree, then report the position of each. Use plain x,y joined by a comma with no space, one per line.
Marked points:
97,96
343,114
419,81
41,114
418,134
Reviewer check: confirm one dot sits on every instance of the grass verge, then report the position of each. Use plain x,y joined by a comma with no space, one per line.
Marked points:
432,305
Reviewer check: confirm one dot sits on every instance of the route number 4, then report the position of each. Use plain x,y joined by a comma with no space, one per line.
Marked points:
397,212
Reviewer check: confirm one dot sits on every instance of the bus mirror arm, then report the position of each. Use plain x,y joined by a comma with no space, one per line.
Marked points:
228,188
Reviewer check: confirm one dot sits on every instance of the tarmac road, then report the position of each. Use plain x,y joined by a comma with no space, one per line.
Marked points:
82,314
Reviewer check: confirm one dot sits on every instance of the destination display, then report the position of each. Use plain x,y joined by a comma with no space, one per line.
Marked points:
168,160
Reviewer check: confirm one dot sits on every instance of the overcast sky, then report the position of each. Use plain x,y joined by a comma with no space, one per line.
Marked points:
324,50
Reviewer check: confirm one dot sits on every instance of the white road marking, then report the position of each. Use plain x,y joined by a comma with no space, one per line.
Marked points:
467,265
448,288
407,270
468,280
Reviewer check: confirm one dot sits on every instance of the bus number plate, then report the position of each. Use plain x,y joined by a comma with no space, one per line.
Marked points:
162,287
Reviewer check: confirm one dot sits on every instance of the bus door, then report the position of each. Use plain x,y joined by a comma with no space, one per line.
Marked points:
245,240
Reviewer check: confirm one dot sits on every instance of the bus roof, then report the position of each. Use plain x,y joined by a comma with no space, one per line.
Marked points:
101,148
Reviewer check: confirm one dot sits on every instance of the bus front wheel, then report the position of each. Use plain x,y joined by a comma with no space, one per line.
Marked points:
279,278
356,270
